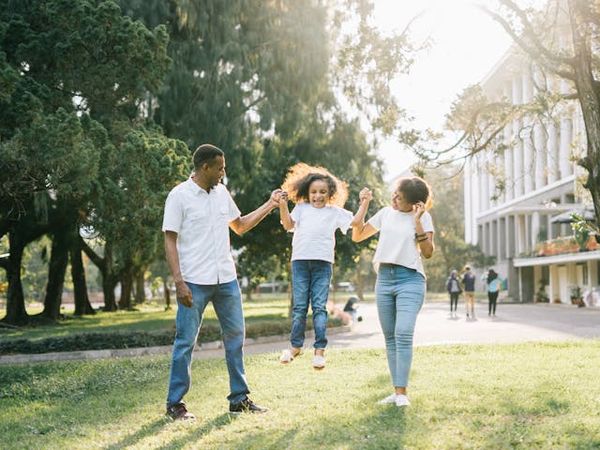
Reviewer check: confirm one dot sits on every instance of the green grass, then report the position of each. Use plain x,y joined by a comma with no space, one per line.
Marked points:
148,318
481,397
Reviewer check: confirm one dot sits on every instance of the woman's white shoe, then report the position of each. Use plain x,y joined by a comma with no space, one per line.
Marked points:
402,400
388,400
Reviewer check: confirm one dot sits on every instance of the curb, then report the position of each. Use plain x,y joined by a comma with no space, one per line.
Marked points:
145,351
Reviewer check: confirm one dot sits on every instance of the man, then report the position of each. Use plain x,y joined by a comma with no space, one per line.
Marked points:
197,218
469,286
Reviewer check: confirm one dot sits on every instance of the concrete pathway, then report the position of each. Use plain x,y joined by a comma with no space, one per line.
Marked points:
513,323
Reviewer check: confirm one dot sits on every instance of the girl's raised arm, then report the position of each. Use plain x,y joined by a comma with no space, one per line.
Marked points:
284,213
361,230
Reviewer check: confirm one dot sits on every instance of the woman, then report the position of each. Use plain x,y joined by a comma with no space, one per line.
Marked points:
454,289
406,233
493,283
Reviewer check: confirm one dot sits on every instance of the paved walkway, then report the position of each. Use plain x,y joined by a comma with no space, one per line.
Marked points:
514,323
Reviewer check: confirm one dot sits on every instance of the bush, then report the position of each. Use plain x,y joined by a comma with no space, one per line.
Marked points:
133,339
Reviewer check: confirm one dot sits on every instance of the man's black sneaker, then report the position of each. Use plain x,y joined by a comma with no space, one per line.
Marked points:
246,406
179,412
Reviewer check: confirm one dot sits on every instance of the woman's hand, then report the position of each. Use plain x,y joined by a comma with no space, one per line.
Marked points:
419,210
365,195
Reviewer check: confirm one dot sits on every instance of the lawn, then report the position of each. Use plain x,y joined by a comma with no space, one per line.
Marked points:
482,397
149,317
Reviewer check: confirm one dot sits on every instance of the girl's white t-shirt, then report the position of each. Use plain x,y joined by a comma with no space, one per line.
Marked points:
397,243
314,230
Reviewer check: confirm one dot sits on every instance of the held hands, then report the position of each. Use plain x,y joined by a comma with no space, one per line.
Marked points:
275,198
365,195
283,198
183,294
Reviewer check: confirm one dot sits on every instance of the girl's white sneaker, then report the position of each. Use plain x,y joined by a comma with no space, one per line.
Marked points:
286,356
318,361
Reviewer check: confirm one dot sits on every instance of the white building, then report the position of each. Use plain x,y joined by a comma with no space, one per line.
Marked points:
534,160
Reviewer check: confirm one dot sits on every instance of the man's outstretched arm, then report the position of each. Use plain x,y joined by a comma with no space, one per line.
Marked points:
250,220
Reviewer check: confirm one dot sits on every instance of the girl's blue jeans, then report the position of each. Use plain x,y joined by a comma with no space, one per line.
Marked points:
400,292
310,285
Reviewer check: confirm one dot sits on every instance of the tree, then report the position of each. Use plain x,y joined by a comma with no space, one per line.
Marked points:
73,74
262,80
562,41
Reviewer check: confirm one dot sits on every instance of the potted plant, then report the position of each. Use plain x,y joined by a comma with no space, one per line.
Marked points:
541,296
577,296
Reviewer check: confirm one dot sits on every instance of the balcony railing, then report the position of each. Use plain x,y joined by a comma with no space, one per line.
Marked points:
563,245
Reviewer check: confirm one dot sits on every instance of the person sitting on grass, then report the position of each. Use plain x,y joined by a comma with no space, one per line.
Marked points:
319,212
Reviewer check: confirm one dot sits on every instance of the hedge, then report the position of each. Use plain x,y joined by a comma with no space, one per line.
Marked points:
133,339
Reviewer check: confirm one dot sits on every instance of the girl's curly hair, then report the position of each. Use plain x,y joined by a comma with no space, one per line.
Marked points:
301,175
415,189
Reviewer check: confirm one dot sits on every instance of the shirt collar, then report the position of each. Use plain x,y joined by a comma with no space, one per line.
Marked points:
194,187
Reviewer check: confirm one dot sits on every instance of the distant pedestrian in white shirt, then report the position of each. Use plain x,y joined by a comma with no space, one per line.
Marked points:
197,218
405,233
319,212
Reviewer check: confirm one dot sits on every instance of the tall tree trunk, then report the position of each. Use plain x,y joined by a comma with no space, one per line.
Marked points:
167,294
15,304
126,286
56,276
109,278
82,300
140,292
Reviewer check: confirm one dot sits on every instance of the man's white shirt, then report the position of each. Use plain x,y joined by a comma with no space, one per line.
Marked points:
201,220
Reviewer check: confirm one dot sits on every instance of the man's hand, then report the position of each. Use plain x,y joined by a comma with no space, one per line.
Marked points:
275,197
183,294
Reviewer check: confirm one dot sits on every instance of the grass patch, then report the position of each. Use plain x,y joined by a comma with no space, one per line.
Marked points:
510,396
149,318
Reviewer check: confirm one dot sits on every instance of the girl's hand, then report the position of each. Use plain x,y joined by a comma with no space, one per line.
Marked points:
419,210
283,198
365,195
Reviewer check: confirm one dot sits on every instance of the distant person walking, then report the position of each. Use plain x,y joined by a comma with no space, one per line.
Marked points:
468,281
454,290
494,284
405,234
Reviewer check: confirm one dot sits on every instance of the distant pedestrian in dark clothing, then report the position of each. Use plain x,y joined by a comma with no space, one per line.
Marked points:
469,286
494,284
454,289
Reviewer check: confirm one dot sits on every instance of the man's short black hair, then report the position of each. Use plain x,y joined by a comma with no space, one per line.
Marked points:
206,153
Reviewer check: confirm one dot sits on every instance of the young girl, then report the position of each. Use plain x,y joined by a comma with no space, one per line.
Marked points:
319,198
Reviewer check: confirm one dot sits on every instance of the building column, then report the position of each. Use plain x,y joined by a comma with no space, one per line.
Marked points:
565,166
540,156
528,149
553,156
517,98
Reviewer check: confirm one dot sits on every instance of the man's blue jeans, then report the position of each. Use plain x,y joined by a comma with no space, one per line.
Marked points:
400,292
310,284
227,301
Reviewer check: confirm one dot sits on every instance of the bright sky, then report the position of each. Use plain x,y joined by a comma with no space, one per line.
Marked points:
466,44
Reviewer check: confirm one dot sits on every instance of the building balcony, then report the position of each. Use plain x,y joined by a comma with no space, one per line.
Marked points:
558,251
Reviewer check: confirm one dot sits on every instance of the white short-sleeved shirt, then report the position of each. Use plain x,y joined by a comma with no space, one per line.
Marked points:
201,221
314,230
397,243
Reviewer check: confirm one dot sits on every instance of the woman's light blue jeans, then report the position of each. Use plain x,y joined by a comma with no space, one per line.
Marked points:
400,292
310,285
227,301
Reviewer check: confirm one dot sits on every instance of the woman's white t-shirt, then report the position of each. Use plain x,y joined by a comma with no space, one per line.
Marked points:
314,230
397,243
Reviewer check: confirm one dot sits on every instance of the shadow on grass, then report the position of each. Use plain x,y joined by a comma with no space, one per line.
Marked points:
198,433
68,389
150,429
